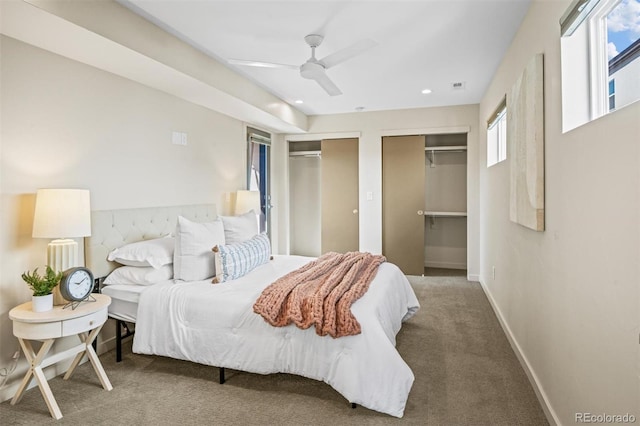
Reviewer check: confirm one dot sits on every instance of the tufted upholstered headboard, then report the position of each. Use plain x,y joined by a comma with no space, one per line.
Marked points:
111,229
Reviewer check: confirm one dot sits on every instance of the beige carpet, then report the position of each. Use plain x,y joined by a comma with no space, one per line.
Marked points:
466,374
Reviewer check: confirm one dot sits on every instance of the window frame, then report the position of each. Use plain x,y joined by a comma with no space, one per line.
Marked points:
598,60
585,63
497,121
259,143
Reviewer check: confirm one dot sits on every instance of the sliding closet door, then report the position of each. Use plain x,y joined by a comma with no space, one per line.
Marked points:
340,195
403,201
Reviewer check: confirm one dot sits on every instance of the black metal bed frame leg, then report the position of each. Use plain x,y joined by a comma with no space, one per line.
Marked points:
221,375
119,340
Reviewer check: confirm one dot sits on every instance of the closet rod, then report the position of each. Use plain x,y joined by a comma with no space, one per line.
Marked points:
316,153
457,148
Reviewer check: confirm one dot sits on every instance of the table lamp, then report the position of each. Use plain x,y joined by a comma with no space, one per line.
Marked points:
62,214
246,201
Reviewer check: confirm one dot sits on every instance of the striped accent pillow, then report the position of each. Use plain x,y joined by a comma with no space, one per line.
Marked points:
237,259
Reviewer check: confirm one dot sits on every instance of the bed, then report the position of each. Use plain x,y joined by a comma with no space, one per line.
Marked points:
215,324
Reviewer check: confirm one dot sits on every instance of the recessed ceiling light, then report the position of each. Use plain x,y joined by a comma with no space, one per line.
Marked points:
426,91
299,101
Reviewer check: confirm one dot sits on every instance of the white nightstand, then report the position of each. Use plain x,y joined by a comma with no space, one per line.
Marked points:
85,321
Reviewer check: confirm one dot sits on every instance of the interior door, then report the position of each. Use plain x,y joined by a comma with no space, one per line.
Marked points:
340,217
403,202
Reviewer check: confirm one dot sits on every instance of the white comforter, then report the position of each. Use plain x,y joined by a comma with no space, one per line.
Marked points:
215,325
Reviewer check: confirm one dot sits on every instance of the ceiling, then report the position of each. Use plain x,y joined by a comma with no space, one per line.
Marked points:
421,44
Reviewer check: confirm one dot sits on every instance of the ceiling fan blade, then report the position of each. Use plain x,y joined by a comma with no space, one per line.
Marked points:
329,86
261,64
347,53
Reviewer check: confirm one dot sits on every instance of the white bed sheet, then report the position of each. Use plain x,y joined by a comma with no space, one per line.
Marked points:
216,325
124,300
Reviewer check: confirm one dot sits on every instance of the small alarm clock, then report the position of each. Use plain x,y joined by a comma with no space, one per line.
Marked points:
76,284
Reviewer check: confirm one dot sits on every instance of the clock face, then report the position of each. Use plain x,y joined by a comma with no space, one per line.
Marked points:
76,284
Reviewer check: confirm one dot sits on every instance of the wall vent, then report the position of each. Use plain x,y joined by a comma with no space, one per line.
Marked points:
458,85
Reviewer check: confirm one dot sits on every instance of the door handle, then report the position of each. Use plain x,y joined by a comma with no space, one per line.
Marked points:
420,213
355,211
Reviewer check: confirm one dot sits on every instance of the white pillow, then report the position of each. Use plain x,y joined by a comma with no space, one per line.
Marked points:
193,259
137,275
240,228
156,253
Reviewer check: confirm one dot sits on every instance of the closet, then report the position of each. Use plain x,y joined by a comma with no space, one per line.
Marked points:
323,196
424,208
304,198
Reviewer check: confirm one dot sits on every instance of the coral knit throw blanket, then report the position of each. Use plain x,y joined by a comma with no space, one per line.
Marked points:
320,293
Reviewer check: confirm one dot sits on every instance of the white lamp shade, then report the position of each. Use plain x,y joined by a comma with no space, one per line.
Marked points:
62,213
246,201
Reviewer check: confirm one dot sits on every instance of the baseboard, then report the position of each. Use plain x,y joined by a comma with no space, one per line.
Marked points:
549,412
50,372
445,265
473,277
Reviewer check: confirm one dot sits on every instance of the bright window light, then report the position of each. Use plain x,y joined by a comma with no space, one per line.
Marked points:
497,136
600,52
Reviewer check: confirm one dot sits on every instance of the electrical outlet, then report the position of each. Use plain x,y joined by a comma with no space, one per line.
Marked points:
493,272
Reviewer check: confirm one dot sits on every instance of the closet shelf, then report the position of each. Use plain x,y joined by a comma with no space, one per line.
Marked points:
445,214
317,153
457,148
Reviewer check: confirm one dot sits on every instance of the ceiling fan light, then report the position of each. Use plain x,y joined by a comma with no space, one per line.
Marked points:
311,70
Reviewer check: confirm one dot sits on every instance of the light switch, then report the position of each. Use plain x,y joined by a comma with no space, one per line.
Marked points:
179,138
176,138
369,196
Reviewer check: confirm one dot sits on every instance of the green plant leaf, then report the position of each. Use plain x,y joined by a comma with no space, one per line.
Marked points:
42,285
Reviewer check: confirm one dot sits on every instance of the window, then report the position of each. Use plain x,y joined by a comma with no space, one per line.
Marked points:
600,58
612,94
497,135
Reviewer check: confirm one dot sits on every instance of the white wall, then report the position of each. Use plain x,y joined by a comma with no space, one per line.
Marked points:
568,296
371,126
65,124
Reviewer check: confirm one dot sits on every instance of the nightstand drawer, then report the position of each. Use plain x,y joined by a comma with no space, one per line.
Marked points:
37,331
85,323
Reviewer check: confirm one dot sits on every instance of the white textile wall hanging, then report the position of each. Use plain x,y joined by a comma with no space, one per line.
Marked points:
525,138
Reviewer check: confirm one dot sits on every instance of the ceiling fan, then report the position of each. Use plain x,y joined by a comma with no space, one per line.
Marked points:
315,69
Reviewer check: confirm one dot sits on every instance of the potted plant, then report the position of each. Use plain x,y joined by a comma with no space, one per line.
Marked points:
42,287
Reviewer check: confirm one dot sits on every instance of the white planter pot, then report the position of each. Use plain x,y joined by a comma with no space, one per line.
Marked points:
42,303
